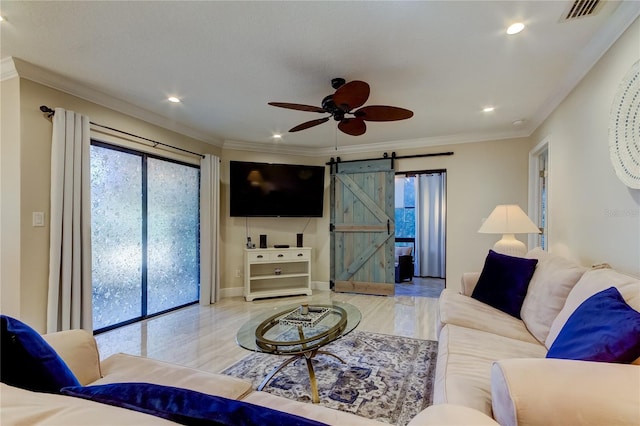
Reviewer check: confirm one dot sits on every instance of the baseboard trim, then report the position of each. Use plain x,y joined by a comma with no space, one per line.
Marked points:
228,292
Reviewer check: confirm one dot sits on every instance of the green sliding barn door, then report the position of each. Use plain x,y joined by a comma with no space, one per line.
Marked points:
362,227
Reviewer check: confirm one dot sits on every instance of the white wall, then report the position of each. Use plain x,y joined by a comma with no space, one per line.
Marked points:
10,197
593,216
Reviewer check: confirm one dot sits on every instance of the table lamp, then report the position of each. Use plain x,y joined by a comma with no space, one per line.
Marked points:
509,219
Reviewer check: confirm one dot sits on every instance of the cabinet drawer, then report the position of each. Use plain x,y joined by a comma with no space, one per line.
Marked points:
299,254
277,255
258,256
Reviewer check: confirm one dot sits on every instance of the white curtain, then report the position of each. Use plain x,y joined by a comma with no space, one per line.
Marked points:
69,299
209,229
430,225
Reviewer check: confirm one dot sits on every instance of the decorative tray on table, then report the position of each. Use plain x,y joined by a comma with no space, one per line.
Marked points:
298,318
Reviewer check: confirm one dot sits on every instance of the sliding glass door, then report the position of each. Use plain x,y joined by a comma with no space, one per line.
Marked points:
144,235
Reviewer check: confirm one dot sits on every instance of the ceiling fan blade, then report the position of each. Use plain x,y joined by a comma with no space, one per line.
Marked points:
352,95
308,124
353,126
298,107
383,113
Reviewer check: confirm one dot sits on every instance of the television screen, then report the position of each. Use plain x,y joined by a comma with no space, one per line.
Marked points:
275,190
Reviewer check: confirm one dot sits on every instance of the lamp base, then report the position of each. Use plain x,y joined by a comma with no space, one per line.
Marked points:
510,246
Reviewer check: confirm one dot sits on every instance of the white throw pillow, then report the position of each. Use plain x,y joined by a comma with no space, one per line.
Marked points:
549,287
592,282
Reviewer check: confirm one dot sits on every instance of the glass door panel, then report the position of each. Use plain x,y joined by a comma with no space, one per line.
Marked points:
173,267
116,236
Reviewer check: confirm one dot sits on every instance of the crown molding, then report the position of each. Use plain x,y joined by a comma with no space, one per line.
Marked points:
378,146
64,84
7,69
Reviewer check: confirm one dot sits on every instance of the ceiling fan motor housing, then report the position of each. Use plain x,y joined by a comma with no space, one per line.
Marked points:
331,107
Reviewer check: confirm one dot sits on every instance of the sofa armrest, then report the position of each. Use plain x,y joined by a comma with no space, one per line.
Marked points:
79,351
451,415
469,281
557,391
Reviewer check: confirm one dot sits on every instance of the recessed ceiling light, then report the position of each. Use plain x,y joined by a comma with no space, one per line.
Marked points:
488,109
1,18
277,136
173,99
515,28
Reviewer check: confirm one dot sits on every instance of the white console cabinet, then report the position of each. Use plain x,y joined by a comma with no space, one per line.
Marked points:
275,272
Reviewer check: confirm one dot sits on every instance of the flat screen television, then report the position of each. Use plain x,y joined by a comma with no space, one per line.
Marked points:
275,190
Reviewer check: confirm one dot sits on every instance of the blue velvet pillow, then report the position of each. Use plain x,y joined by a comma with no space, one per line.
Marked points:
28,362
185,406
603,328
504,281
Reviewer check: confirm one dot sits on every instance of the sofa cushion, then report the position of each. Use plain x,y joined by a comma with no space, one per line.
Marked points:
402,251
128,368
79,350
311,411
28,362
458,309
23,407
564,392
185,406
592,282
463,368
503,282
549,287
603,328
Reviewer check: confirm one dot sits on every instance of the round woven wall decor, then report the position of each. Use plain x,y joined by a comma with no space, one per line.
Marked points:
624,129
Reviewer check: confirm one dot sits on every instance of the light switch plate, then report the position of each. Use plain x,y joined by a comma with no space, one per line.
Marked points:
38,218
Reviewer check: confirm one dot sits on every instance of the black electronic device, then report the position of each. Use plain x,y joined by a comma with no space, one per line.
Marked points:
281,245
275,190
299,242
263,241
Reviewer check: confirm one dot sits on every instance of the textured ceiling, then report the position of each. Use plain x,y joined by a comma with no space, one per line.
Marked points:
444,60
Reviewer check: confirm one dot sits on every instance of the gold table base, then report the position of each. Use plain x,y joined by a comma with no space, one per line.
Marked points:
308,356
307,347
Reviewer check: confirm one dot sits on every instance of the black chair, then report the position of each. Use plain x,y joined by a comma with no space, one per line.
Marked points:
404,264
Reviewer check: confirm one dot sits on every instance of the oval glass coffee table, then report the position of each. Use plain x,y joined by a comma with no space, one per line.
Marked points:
300,331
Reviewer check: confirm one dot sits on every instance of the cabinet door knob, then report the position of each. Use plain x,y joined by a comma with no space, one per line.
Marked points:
300,254
281,255
260,256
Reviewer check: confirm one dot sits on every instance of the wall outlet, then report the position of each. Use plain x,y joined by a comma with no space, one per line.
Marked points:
238,273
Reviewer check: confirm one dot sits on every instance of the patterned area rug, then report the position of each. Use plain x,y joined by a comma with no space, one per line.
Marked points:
386,378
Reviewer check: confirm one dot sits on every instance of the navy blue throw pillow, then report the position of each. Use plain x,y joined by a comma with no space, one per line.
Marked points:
603,328
186,406
29,362
504,281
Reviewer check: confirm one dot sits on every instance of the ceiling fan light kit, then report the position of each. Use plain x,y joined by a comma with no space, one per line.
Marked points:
341,105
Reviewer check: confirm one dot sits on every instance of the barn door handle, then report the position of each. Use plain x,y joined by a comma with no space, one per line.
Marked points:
388,227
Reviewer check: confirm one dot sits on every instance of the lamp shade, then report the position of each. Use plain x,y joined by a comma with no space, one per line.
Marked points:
508,219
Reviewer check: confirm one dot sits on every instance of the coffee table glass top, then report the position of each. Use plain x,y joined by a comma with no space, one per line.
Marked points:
293,330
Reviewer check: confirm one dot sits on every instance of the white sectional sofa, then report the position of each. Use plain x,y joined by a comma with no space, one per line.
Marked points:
495,363
79,351
491,367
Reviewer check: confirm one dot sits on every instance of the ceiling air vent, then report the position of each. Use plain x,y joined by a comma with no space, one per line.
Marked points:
582,8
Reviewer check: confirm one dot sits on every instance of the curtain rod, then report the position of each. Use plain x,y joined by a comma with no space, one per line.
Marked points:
51,112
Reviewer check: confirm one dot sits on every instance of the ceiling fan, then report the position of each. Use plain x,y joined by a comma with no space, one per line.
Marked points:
341,105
